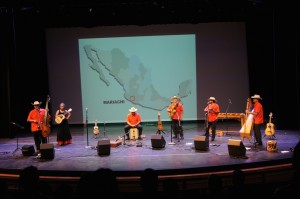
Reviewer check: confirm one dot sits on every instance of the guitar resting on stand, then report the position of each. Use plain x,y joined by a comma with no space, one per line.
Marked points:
270,128
96,130
159,125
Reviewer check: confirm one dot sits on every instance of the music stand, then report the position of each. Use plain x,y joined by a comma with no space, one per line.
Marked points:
19,127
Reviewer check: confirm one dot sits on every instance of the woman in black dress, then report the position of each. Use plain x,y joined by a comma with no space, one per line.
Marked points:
63,131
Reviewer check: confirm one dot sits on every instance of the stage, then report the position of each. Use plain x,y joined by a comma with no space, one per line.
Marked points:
129,158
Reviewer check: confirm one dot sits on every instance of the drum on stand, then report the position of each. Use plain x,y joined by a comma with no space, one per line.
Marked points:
133,134
272,146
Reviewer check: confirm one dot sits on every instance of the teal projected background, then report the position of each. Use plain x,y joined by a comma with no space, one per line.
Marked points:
141,71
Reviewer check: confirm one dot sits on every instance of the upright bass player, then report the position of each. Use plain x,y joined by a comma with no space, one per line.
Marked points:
36,117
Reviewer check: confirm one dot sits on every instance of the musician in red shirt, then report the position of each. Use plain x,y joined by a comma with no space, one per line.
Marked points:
258,118
175,111
133,120
36,117
211,111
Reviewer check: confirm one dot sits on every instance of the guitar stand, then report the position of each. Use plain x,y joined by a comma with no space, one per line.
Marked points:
272,137
159,132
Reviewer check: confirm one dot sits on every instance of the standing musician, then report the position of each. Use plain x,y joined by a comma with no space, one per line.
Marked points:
258,117
36,117
212,110
175,111
63,131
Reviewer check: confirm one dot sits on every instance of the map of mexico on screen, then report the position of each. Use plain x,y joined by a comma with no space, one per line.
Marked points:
144,72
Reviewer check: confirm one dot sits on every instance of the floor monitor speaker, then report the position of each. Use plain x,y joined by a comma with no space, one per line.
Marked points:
236,148
103,147
158,141
28,150
47,151
201,143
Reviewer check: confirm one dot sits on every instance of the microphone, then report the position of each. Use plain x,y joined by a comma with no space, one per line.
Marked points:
229,101
17,125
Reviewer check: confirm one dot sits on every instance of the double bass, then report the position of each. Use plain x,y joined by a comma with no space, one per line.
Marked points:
46,120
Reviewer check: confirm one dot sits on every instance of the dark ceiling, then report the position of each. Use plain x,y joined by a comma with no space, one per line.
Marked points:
63,13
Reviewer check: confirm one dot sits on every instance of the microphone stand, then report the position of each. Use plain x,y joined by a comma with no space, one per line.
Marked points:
228,105
20,127
87,128
171,143
206,121
104,130
178,127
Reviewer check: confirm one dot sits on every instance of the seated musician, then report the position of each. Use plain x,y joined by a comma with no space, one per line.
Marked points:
133,120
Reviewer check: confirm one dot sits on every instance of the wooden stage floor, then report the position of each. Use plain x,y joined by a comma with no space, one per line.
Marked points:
128,159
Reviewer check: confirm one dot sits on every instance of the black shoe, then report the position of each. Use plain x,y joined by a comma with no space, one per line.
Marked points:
139,138
175,137
182,138
127,139
258,143
212,139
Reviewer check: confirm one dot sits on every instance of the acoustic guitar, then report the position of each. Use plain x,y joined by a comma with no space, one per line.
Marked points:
61,117
172,110
46,121
159,123
270,130
96,129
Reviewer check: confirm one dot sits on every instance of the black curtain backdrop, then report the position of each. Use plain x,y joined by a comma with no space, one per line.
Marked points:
273,54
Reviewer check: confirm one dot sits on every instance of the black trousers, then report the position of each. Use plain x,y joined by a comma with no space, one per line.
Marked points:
177,127
257,133
38,139
213,126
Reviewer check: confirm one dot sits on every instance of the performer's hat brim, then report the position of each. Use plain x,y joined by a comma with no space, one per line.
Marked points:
36,103
212,98
175,97
132,109
256,96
